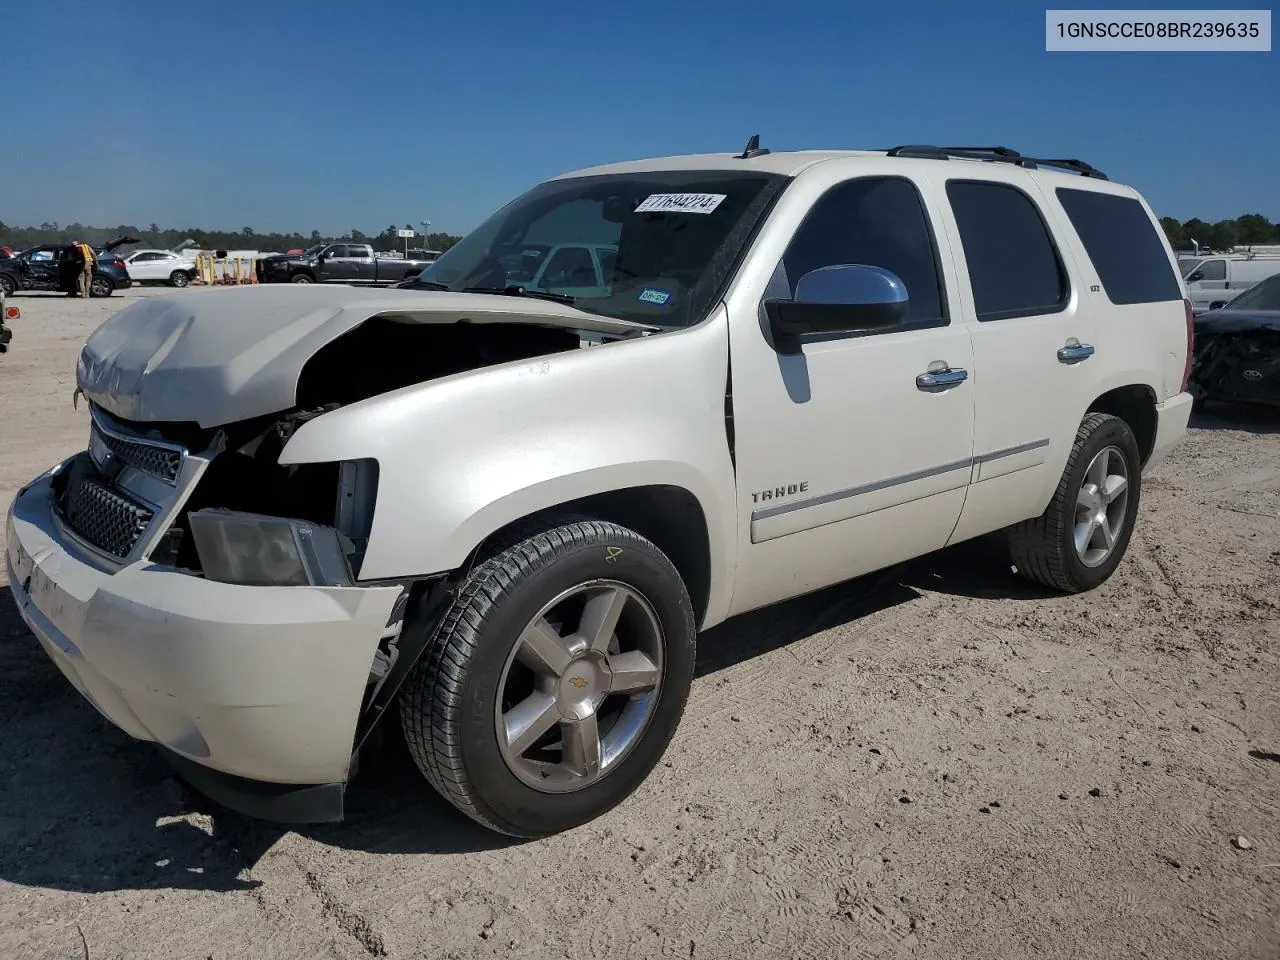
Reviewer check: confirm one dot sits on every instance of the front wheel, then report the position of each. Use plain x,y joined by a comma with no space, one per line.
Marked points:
301,278
8,286
179,278
556,680
1080,539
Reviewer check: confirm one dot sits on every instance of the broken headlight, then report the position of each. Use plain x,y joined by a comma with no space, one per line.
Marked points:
256,550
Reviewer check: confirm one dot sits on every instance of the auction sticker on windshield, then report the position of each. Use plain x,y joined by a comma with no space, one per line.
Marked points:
680,203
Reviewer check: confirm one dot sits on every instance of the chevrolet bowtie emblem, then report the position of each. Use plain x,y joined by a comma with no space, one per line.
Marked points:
578,682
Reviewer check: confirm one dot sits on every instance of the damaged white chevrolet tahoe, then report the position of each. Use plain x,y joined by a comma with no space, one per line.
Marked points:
503,512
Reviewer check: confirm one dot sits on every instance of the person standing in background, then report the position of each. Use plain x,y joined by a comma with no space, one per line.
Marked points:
84,283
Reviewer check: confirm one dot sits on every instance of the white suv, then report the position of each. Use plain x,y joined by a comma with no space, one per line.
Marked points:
302,508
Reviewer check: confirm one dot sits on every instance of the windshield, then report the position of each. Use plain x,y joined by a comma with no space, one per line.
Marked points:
312,251
653,248
1261,296
1186,266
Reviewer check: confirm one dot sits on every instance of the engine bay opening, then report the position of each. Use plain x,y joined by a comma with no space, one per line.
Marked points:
385,354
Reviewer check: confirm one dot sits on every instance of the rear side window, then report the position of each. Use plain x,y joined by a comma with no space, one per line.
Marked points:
1014,267
1123,244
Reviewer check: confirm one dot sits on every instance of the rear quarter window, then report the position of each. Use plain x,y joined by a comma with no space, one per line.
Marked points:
1123,245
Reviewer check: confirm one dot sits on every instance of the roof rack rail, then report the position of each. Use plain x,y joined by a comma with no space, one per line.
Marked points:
995,154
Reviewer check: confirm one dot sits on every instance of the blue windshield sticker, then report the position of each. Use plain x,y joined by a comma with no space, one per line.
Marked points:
652,295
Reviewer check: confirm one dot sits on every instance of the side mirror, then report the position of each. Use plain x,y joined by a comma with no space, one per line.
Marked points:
843,298
1217,304
1195,276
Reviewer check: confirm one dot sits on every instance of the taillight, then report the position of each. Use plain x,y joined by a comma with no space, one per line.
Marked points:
1191,342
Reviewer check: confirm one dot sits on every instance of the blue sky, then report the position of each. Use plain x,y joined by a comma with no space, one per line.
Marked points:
314,114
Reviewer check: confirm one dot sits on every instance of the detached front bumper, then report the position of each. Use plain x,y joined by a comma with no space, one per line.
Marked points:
254,692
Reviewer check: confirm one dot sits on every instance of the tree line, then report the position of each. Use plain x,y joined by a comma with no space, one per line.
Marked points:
163,238
1252,228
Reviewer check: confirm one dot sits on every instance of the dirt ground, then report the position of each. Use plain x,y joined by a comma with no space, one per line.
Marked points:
947,764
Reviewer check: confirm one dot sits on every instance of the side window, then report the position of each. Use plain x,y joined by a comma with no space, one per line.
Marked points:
607,260
336,251
570,267
1123,246
878,222
1014,267
1213,270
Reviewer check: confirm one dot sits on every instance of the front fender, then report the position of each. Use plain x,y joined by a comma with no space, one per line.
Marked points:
465,455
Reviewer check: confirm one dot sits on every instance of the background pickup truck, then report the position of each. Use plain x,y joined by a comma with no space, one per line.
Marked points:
337,263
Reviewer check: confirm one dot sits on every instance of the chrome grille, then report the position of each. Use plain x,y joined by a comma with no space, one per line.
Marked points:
104,518
160,460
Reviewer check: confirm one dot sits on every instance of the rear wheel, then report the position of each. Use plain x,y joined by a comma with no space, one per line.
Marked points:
556,680
101,287
1080,539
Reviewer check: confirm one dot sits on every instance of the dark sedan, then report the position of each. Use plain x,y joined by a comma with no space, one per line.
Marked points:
1237,348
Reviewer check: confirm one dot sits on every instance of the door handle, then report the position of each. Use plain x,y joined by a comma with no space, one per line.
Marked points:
1075,352
936,381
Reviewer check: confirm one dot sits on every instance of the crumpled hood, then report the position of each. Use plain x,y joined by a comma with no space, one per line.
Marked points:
218,356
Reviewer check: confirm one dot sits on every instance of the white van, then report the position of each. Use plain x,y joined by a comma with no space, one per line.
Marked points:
1215,280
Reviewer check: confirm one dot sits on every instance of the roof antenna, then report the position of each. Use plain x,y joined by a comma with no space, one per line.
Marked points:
753,148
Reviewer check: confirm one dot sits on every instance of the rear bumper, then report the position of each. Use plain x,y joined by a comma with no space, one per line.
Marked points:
239,683
1172,417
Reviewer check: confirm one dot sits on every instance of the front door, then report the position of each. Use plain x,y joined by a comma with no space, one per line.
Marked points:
849,457
1208,284
339,266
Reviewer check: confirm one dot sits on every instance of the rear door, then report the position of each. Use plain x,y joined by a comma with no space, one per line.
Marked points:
363,265
1032,344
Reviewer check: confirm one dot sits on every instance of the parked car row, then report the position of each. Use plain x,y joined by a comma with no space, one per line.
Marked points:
44,268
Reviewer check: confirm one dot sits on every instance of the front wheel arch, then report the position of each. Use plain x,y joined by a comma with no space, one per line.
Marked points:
670,517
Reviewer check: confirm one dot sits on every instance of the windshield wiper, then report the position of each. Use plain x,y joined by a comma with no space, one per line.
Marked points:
516,291
432,284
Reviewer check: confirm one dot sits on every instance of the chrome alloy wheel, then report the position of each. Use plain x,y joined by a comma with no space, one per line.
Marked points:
1101,506
580,686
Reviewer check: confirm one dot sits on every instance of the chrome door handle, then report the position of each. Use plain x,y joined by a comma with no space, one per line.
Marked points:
1075,352
938,380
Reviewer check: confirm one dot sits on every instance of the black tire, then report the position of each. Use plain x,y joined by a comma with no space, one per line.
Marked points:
1043,549
179,278
302,278
101,287
447,706
8,285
